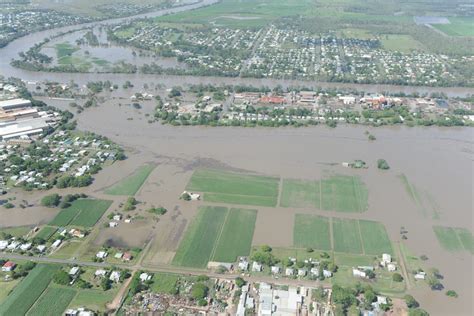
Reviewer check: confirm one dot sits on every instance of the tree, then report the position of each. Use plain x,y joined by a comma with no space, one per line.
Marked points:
417,312
343,296
51,200
382,164
451,293
239,282
397,277
61,277
199,291
411,301
106,284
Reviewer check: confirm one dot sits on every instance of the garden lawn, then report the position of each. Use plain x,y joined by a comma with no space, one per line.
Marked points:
131,184
198,243
82,212
54,301
374,238
226,187
236,237
311,231
346,236
300,193
27,292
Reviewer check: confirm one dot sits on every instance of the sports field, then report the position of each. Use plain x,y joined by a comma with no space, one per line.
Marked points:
54,301
131,184
454,239
212,236
82,212
28,291
312,231
400,42
337,193
350,236
233,188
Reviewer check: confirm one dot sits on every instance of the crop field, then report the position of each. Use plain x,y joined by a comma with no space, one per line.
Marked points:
27,292
164,283
236,237
82,212
212,236
54,301
131,184
374,238
346,236
312,231
459,26
233,188
46,232
337,193
300,193
454,239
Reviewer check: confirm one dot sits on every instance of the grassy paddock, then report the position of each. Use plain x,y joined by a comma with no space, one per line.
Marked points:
54,301
300,193
164,283
82,212
374,238
454,239
28,291
93,299
346,236
311,231
131,184
46,232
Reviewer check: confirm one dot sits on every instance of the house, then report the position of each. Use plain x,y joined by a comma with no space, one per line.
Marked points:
3,244
113,224
386,259
256,267
276,269
76,233
118,255
358,273
115,276
8,266
420,275
289,271
100,273
117,217
128,220
25,247
13,245
127,256
314,271
79,312
302,272
243,265
41,248
327,273
56,243
391,267
145,277
74,271
101,254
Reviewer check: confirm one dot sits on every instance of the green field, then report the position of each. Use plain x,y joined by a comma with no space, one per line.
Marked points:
459,26
54,301
16,231
65,49
131,184
400,42
300,193
164,283
454,239
212,236
93,299
6,287
233,188
337,193
374,238
46,232
236,237
28,291
82,212
311,231
346,235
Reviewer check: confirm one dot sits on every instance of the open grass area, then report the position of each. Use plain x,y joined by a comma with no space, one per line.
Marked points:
336,193
65,49
346,236
312,231
300,193
233,188
6,287
459,26
374,238
93,299
54,301
236,237
28,291
216,234
67,250
454,239
131,184
400,42
198,243
16,231
82,212
164,283
46,232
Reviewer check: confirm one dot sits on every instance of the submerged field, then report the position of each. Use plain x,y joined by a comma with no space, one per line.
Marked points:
337,193
216,234
233,188
82,212
131,184
347,235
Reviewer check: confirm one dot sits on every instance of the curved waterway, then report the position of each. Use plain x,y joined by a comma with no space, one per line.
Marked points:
12,50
